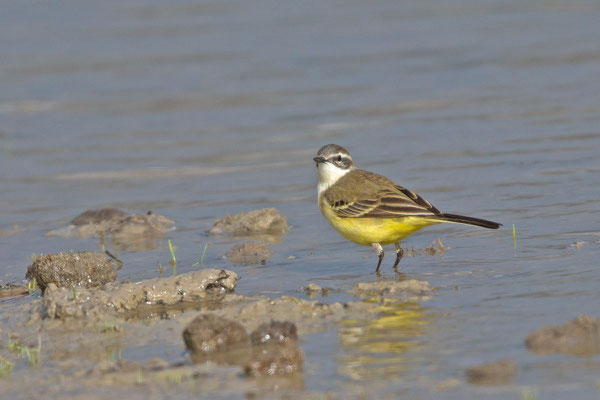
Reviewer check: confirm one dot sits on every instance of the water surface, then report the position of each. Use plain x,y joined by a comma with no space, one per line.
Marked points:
198,109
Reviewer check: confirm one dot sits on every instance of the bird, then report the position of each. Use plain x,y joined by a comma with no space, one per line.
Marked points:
372,210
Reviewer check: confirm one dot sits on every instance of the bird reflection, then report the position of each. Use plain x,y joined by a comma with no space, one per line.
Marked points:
384,346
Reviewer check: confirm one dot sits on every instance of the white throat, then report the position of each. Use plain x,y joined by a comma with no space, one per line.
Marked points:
328,175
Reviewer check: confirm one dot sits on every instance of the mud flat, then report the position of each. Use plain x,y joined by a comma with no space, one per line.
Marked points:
236,345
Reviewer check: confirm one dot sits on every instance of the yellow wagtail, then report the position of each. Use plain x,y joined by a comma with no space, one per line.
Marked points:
370,209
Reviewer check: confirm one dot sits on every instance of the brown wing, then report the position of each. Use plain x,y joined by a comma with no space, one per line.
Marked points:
369,195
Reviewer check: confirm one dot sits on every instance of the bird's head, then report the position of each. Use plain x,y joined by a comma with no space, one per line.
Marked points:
333,162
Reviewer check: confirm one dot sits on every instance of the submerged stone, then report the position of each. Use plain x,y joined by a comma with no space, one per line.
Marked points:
405,290
499,372
249,253
83,268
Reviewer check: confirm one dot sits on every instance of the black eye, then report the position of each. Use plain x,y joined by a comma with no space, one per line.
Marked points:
339,158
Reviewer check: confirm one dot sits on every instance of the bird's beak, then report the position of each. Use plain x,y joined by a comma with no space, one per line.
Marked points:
320,159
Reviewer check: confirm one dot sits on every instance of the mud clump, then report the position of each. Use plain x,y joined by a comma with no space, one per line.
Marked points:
579,337
275,359
83,268
313,290
275,350
128,231
98,216
133,228
210,337
496,373
249,253
272,349
121,298
404,290
257,222
274,332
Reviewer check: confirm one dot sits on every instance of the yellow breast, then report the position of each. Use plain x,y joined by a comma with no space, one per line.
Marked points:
366,231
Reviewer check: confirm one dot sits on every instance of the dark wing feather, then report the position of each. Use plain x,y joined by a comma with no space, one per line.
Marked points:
375,197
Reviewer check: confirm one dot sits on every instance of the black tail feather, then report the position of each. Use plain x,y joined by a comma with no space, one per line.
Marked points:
461,219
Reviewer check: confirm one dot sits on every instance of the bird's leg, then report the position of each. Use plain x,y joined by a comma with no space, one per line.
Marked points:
379,251
399,254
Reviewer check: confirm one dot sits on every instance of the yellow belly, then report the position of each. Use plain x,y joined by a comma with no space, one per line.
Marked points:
366,231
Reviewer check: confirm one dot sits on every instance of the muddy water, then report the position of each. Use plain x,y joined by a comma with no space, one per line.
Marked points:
197,110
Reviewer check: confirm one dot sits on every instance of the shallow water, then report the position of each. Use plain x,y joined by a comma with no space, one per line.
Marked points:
196,110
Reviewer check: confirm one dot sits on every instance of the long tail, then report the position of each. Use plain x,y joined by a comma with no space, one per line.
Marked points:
461,219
